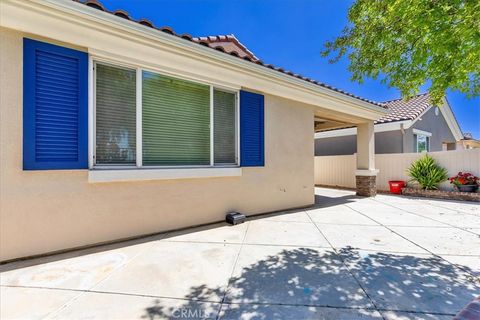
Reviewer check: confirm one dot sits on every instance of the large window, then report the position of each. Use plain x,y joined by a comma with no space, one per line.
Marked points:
182,123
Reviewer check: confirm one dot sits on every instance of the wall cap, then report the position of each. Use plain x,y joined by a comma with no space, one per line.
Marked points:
368,173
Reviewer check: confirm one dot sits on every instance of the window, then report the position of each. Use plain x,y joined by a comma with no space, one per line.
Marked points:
421,143
224,116
182,123
115,115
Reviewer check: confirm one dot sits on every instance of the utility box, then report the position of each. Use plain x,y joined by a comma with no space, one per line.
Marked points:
234,218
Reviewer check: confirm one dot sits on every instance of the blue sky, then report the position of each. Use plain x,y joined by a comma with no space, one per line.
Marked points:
286,33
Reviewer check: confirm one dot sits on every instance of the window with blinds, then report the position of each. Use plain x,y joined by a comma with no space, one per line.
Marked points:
224,127
182,123
176,121
115,119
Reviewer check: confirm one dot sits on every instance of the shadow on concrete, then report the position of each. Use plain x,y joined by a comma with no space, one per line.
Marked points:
308,278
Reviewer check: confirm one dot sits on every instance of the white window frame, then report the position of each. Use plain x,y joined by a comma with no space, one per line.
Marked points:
93,60
421,133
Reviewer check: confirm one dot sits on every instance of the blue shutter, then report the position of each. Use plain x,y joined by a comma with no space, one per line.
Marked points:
55,107
252,143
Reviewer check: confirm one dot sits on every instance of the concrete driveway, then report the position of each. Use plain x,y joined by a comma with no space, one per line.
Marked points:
346,258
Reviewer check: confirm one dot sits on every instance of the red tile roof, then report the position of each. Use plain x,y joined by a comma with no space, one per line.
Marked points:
405,109
226,48
229,44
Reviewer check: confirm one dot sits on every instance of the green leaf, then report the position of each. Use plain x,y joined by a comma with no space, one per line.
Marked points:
408,44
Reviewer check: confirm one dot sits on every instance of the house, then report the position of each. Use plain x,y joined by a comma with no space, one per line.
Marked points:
468,142
411,126
113,128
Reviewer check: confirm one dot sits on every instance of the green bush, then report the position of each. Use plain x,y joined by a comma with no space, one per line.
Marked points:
427,173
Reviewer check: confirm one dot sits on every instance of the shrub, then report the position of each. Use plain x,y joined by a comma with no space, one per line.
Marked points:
427,173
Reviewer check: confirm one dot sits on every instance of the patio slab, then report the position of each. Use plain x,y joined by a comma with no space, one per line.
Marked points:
340,215
219,232
376,238
443,240
469,263
247,312
411,282
80,272
195,271
288,216
415,259
396,315
295,276
284,233
399,217
101,306
32,303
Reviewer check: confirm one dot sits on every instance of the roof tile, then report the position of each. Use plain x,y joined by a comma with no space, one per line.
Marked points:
401,109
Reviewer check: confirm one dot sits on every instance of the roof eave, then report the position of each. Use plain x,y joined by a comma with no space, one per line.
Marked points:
136,29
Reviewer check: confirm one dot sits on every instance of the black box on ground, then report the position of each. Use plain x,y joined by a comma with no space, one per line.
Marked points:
235,218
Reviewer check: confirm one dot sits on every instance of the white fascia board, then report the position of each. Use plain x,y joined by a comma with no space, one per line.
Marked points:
422,132
451,120
381,127
67,10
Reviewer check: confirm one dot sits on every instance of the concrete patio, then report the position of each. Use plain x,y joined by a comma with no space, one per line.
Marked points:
346,258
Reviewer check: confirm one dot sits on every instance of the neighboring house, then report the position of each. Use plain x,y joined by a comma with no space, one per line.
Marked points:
468,142
111,128
411,126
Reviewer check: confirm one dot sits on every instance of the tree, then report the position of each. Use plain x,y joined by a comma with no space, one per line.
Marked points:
409,43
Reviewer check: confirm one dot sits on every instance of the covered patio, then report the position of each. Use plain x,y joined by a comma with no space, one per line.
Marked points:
347,257
365,173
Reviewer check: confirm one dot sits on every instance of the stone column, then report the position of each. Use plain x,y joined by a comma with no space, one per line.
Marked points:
366,174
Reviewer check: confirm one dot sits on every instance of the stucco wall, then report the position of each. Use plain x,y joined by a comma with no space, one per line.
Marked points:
385,142
436,125
44,211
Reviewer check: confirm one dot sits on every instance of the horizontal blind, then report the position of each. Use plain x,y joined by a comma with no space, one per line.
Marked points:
176,121
224,127
115,115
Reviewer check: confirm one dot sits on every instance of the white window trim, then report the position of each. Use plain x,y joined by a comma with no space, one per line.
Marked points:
106,173
427,140
422,133
138,117
137,174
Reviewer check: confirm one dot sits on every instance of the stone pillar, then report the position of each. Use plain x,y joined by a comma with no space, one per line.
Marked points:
366,174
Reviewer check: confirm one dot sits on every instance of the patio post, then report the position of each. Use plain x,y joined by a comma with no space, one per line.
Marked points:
366,174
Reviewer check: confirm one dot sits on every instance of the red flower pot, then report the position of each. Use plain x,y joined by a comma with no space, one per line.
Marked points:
396,186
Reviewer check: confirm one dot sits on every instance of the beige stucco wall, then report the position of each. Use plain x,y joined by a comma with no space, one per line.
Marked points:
45,211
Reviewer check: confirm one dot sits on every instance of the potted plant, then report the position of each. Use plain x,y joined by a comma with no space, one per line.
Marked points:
427,173
465,182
